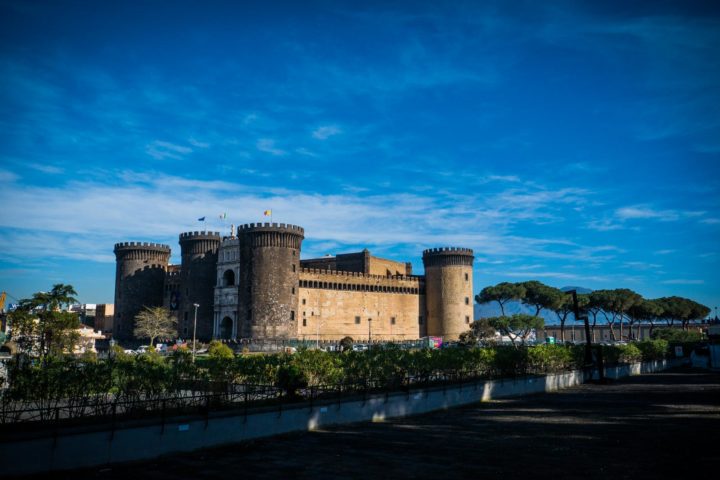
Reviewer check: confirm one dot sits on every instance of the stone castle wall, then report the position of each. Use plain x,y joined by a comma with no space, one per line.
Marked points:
338,304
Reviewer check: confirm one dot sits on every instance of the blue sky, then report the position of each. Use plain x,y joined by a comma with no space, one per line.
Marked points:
575,144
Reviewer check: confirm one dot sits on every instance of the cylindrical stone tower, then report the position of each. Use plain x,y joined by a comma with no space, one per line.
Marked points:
197,283
139,281
448,291
269,280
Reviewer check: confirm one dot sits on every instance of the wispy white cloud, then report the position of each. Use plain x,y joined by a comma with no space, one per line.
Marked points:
267,145
50,169
326,131
197,143
156,207
161,150
682,281
641,266
557,275
638,212
305,152
7,176
624,217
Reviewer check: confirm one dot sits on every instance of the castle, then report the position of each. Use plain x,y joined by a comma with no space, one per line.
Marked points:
253,285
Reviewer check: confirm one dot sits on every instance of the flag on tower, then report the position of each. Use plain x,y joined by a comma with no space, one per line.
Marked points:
268,213
223,216
201,219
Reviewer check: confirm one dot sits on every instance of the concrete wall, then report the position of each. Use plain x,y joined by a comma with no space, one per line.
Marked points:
85,447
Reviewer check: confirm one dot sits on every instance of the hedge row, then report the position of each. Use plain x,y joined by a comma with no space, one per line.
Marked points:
150,376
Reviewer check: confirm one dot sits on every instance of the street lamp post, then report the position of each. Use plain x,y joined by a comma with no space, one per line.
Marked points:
196,305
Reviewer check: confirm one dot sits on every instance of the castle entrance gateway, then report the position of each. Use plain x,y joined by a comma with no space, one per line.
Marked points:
226,328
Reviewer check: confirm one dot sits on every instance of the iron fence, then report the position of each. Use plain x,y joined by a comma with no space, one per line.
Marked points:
214,397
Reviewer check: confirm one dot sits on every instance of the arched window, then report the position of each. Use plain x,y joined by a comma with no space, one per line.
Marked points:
228,278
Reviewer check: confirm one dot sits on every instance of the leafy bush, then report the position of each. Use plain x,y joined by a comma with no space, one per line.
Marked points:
150,375
550,358
653,349
676,335
629,353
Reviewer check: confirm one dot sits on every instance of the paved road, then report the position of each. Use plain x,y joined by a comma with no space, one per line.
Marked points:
648,427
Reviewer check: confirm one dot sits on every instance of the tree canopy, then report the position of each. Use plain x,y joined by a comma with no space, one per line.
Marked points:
155,322
501,293
541,296
516,327
618,306
38,326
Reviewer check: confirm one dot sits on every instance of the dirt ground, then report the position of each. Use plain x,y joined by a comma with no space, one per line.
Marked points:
656,426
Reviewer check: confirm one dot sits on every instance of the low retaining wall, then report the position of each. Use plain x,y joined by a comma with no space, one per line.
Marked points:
87,447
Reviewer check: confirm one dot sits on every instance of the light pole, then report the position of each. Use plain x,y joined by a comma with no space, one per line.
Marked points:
196,305
369,330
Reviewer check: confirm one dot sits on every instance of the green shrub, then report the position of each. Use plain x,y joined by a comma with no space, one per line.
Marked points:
550,358
629,353
653,349
676,335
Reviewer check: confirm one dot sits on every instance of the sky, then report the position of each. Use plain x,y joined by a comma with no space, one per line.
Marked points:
575,143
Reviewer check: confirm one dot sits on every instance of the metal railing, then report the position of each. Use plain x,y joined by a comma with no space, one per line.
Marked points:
214,397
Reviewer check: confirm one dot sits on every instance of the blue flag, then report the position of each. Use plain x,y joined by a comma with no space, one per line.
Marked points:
201,219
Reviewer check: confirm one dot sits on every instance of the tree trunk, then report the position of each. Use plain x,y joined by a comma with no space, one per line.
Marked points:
611,324
562,331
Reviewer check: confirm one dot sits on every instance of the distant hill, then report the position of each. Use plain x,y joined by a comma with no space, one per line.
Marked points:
577,289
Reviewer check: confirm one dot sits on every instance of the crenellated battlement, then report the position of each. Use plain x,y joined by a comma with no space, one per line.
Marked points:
359,275
141,246
448,256
202,235
250,227
448,250
315,278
